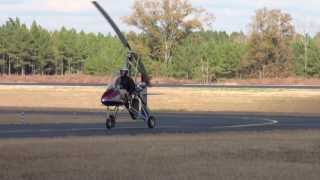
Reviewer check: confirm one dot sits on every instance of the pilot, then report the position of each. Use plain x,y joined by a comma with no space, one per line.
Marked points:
126,82
126,85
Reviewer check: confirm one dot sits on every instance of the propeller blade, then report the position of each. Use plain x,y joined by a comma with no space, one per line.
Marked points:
113,24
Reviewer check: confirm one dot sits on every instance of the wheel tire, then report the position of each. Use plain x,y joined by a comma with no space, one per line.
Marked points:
110,122
152,122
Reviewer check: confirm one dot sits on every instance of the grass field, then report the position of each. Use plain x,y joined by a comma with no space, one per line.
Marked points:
224,156
172,99
94,79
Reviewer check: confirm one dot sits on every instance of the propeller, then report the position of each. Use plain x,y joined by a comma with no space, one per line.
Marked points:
132,57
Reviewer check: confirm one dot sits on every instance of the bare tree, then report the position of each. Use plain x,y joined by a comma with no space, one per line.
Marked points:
166,23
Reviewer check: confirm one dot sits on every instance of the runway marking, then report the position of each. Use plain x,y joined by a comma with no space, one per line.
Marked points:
267,123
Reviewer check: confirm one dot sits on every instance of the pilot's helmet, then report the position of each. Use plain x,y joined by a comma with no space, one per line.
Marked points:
124,72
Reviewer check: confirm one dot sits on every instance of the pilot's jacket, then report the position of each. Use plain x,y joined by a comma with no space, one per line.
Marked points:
127,83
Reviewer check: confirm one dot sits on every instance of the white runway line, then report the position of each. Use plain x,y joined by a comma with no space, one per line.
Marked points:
268,122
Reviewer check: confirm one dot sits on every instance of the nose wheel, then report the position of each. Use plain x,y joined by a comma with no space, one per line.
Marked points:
110,122
112,116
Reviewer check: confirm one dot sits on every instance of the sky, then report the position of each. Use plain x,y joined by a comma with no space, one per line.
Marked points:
230,15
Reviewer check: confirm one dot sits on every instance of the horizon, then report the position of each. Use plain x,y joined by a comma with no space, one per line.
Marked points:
231,16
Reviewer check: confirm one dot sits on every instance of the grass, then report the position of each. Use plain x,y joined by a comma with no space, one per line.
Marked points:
79,79
69,79
223,156
172,99
275,81
95,79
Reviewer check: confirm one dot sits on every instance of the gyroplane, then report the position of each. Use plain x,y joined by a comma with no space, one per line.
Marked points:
124,91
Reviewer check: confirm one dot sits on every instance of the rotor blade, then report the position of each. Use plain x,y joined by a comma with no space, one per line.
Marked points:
113,24
144,75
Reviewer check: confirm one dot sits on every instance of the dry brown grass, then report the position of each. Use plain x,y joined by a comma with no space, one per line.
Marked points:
69,79
78,79
173,99
90,79
274,81
228,100
263,156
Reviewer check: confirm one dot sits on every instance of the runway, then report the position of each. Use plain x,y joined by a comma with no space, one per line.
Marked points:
167,123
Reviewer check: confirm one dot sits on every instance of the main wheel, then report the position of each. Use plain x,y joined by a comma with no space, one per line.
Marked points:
110,122
152,122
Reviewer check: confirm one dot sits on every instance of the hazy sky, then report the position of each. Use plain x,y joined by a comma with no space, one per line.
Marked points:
231,15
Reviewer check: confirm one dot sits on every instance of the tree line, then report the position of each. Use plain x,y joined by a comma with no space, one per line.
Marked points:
35,50
169,45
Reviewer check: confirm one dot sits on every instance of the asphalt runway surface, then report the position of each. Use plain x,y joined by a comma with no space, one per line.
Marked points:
167,123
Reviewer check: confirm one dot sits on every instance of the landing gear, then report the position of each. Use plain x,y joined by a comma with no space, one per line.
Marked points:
152,122
141,111
133,109
137,110
111,120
